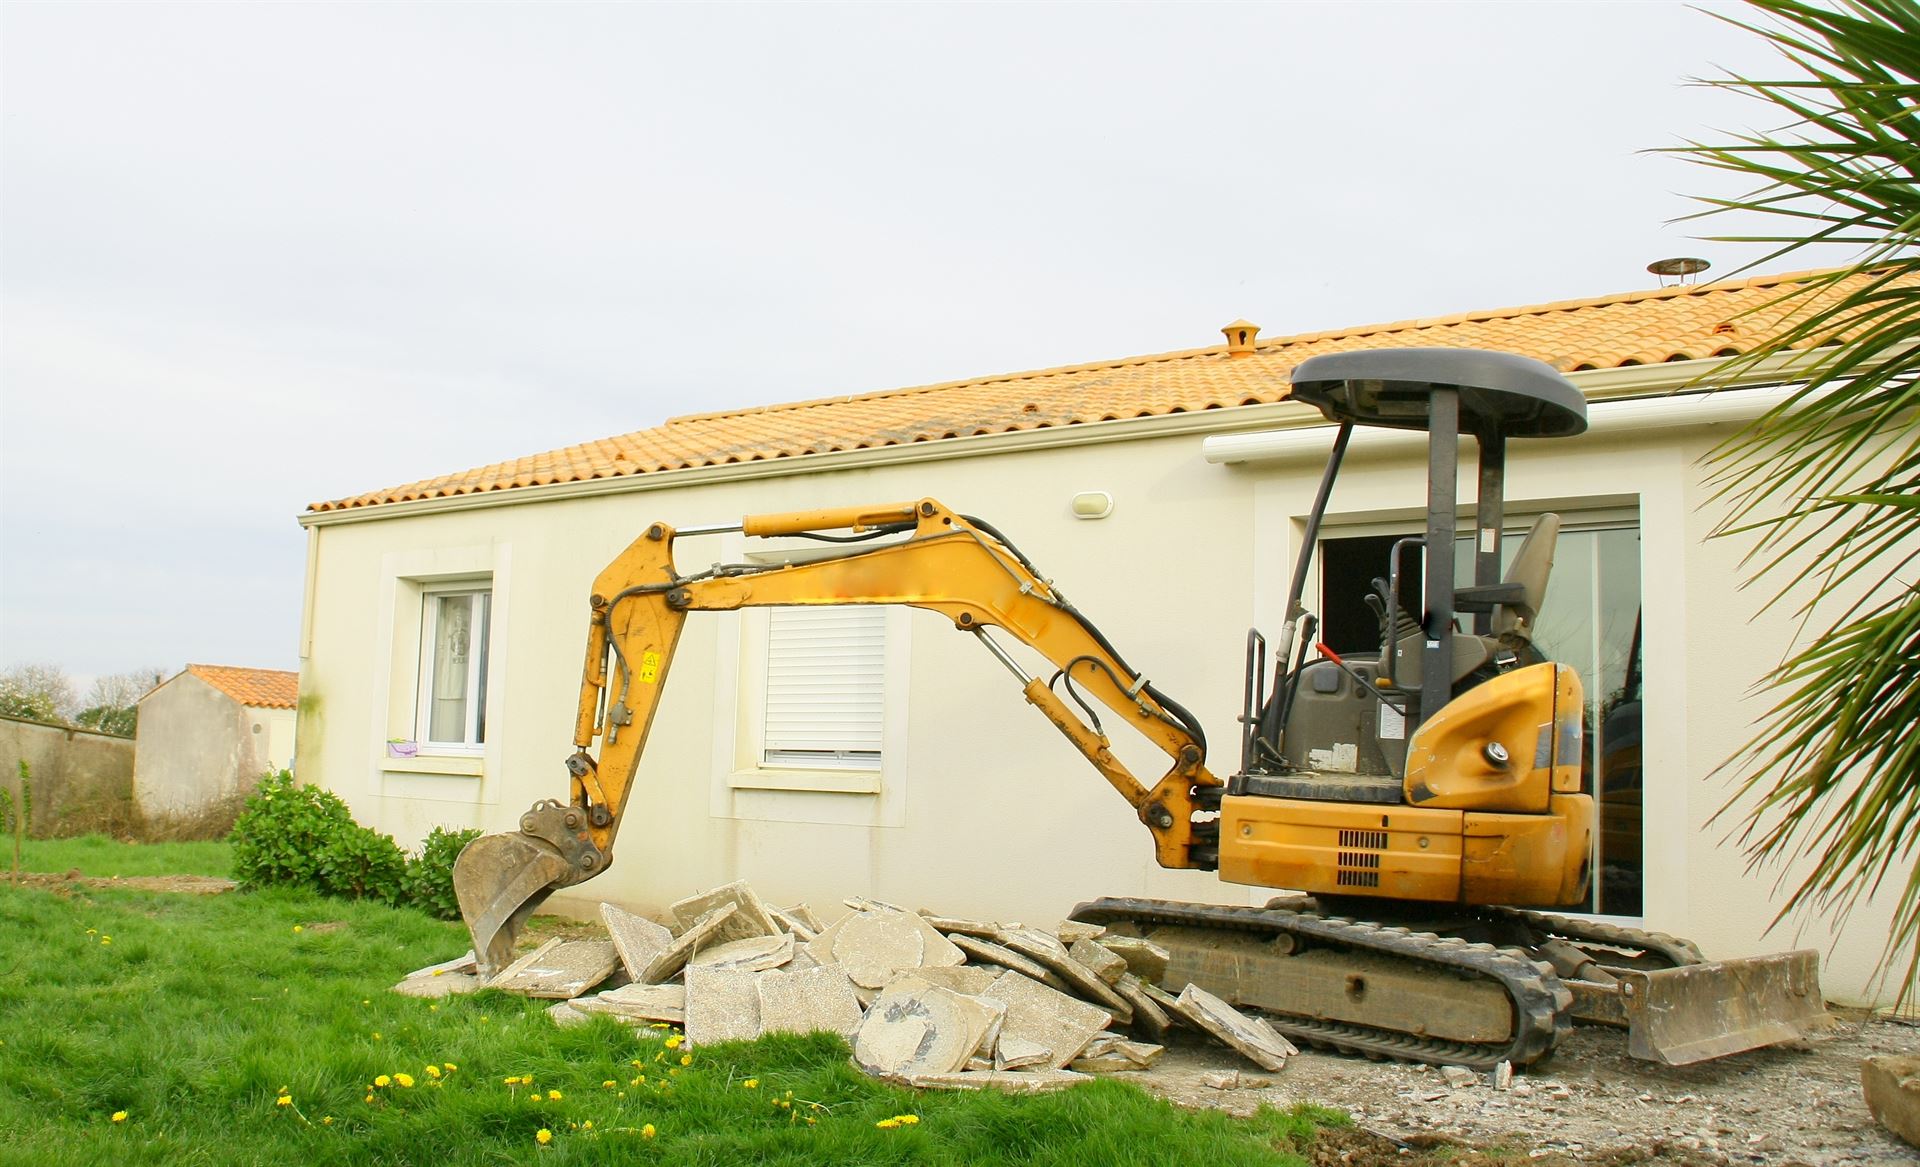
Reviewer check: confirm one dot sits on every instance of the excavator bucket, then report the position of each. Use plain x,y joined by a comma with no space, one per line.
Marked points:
499,881
1699,1011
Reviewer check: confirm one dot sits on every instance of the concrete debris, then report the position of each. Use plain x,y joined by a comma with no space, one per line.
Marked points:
673,958
754,954
1459,1077
1010,1081
933,1001
459,964
639,1002
1105,963
439,985
1892,1087
1222,1080
803,1001
723,1004
561,969
917,1028
1503,1076
1250,1035
1046,1017
1071,932
1144,958
749,918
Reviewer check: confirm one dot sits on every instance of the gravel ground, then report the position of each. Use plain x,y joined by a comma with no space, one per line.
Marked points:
1589,1104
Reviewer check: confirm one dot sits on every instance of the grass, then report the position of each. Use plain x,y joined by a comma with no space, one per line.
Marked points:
192,1014
98,855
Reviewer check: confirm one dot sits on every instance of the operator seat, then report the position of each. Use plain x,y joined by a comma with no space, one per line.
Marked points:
1512,620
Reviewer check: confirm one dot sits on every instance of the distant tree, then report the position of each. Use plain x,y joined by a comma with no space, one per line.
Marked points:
41,692
113,703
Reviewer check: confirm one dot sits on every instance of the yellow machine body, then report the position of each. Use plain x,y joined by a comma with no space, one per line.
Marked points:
1492,810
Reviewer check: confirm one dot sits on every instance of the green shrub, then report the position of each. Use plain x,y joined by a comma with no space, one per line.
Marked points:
428,883
301,836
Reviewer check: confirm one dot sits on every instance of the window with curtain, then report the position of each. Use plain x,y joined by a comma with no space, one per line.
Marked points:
453,668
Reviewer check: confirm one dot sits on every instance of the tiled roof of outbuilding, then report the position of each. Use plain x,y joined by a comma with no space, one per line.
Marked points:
1635,328
259,688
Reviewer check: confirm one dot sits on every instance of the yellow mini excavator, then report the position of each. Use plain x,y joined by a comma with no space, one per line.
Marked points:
1418,803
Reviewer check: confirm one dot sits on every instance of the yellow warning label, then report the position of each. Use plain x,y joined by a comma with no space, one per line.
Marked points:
650,667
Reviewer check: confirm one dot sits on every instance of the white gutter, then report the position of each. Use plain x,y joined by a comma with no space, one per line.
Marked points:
1226,424
1638,415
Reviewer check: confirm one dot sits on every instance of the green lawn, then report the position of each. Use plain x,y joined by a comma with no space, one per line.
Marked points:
97,855
192,1014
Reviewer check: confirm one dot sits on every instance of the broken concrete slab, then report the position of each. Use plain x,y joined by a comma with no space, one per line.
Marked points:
806,916
564,1015
1010,1081
638,939
561,969
808,1000
1047,950
875,946
790,923
1252,1036
1149,1019
1111,1054
723,1004
1892,1087
639,1002
1013,1053
1144,958
749,918
459,964
699,934
1235,1080
1106,965
1459,1077
754,954
439,985
970,979
1070,932
988,952
1168,1003
917,1028
1046,1016
950,925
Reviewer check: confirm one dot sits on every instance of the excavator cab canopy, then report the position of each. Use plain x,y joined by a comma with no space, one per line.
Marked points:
1499,393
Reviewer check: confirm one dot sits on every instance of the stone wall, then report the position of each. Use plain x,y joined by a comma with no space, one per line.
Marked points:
78,775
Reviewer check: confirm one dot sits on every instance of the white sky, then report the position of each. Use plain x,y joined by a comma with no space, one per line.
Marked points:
253,256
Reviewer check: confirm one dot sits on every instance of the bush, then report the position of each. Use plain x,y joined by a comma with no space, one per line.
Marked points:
301,836
428,883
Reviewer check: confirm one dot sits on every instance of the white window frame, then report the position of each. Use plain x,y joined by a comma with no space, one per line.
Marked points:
478,679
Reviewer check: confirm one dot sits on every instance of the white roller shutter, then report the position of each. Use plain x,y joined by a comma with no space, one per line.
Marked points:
826,686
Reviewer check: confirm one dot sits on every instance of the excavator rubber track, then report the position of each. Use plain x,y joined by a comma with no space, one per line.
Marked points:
1658,949
1541,1004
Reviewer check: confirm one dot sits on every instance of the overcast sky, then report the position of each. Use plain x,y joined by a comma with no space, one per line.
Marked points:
258,255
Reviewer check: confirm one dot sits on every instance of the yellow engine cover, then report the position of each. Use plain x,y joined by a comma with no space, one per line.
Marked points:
1506,745
1410,853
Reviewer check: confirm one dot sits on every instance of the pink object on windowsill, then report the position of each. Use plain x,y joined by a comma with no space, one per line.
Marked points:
402,749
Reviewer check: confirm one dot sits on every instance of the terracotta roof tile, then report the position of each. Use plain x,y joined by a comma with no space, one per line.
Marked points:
260,688
1636,328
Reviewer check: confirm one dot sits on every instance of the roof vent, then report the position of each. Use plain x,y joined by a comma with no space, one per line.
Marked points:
1240,336
1681,269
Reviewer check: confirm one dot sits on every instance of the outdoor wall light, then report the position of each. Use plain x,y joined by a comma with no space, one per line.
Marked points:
1092,504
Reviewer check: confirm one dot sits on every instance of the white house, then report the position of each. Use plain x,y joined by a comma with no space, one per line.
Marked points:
447,617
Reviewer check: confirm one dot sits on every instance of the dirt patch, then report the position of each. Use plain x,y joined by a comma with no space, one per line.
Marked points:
1590,1105
204,885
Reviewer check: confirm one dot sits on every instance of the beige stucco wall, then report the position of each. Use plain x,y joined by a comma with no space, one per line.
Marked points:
196,745
81,779
983,809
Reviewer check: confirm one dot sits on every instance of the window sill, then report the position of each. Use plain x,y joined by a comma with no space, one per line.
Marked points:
808,781
456,765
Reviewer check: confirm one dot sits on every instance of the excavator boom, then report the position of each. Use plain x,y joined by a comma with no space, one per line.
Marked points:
934,559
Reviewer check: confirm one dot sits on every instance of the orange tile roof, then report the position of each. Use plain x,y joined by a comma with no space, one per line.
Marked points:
260,688
1634,328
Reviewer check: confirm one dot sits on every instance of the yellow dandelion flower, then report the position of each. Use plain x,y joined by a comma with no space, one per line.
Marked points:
449,1067
660,1056
119,1116
646,1132
298,929
284,1100
553,1096
369,1098
383,1081
433,1071
887,1124
93,931
608,1084
326,1120
376,1035
751,1083
543,1136
433,1008
674,1041
405,1080
686,1059
587,1125
908,1119
365,1001
637,1081
658,1025
106,940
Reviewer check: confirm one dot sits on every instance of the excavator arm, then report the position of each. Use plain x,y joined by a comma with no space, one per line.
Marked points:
937,560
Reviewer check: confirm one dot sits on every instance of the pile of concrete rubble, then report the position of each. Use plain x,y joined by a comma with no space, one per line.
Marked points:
928,1000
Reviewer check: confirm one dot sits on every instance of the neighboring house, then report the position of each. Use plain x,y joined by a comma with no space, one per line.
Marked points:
210,732
450,614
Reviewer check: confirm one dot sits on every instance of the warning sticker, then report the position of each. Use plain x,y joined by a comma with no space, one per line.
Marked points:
649,667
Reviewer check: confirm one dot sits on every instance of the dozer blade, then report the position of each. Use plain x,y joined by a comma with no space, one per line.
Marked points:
499,881
1699,1011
